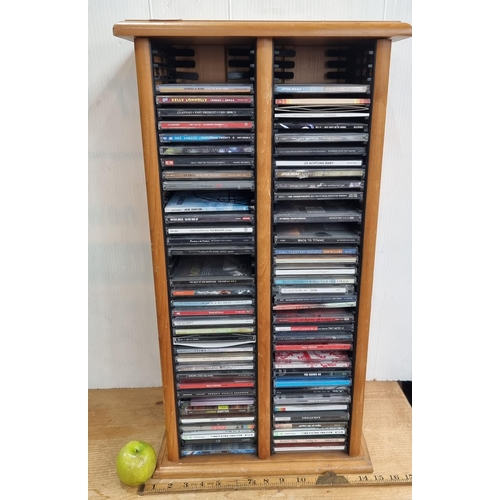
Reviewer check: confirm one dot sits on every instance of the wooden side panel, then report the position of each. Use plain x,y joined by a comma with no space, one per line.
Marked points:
264,77
150,150
381,84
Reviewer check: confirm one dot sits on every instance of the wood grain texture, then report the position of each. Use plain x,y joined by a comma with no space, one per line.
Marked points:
264,82
116,416
306,29
150,150
309,64
377,130
210,63
276,464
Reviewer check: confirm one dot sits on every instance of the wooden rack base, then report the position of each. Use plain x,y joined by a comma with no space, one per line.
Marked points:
245,465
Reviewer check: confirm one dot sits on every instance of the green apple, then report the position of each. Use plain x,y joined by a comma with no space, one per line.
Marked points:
135,463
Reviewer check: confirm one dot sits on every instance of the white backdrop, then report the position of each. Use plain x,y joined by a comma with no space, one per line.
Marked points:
122,336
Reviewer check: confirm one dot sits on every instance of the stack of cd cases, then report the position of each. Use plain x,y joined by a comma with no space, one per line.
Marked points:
319,169
206,135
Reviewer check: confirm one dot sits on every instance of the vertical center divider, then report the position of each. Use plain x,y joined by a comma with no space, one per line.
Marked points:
264,93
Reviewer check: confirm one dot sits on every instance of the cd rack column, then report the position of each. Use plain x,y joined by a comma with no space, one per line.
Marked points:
206,144
321,133
254,134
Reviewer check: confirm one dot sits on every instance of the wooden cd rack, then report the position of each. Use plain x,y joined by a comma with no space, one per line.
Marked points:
262,150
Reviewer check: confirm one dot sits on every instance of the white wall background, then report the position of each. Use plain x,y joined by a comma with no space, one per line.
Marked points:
122,336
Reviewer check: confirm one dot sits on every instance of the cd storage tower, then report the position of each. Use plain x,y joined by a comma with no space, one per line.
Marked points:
251,160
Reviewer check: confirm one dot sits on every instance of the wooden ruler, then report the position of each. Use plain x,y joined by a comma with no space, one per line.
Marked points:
328,479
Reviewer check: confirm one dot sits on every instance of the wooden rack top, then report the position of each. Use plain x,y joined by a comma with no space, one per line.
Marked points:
223,30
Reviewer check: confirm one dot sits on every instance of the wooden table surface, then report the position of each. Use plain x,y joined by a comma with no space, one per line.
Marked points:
116,416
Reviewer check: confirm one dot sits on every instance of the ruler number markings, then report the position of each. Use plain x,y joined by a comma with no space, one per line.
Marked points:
327,479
